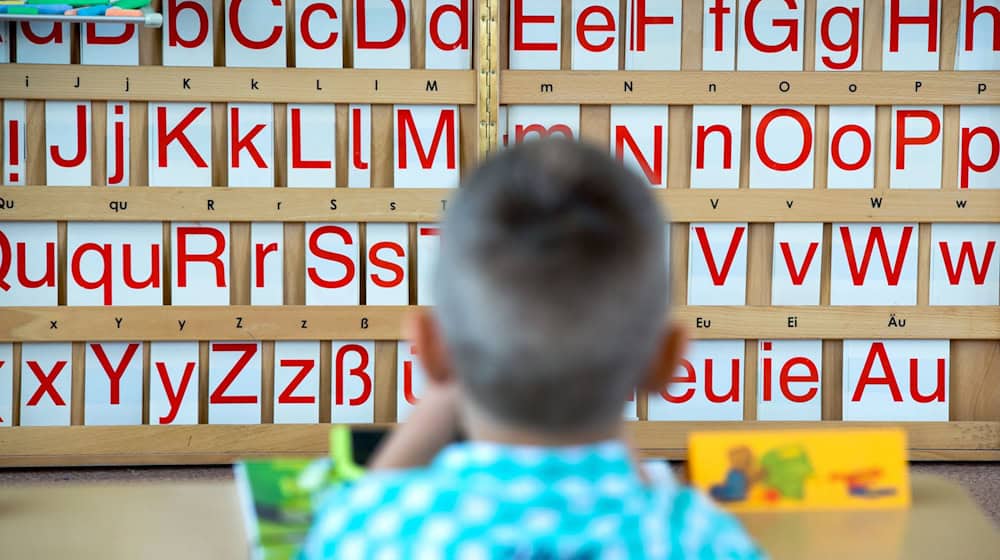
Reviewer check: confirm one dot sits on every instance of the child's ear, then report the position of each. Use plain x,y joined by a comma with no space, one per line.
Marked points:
665,359
430,348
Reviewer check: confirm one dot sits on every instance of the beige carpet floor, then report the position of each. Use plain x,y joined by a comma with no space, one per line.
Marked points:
981,480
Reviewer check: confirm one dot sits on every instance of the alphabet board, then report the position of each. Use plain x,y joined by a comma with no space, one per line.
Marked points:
280,175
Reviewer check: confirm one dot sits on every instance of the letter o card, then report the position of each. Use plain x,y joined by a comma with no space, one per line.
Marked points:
234,382
68,145
976,36
6,384
200,263
717,264
979,147
789,380
535,34
411,380
46,383
28,265
797,264
387,264
113,384
771,35
296,382
427,143
332,264
839,34
915,147
353,382
114,263
109,43
319,27
851,148
382,33
639,135
896,380
653,35
595,35
706,386
449,29
255,33
782,147
528,122
873,264
42,42
188,33
173,383
911,35
965,266
312,145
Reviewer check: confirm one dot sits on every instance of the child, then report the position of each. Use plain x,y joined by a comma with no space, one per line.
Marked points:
551,308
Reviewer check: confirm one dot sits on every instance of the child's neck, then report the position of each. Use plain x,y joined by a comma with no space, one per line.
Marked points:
480,428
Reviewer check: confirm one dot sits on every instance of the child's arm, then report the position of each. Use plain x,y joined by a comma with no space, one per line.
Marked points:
432,425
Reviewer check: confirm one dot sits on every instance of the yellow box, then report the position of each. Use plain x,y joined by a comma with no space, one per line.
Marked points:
801,469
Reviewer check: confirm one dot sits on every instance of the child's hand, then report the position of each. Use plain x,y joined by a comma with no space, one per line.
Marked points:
432,425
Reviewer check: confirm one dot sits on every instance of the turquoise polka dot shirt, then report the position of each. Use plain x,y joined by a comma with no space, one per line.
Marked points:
484,501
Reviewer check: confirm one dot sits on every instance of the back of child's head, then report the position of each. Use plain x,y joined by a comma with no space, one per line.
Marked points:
551,288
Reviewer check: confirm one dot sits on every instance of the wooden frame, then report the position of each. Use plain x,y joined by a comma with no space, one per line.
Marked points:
95,445
973,433
296,322
748,88
426,205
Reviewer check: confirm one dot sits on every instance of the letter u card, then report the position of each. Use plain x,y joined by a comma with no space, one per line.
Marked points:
801,470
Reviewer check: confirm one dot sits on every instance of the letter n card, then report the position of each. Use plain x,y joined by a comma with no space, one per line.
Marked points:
801,470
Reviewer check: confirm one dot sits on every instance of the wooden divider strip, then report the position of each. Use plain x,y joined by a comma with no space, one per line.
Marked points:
747,88
427,205
232,85
297,322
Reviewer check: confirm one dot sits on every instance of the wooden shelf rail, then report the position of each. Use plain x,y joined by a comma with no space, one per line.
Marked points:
129,204
211,444
241,322
748,88
223,84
